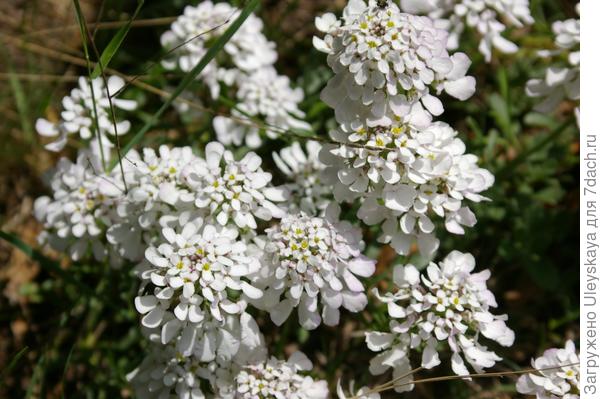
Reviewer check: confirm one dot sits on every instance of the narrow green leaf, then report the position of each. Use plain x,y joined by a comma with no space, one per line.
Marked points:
114,44
82,31
20,98
567,125
36,378
46,263
13,363
190,76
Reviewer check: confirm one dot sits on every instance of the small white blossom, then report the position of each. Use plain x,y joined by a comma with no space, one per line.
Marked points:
266,95
312,263
306,189
191,276
79,113
80,210
405,177
486,17
230,190
221,350
388,65
362,393
155,190
247,51
280,380
446,304
562,80
557,375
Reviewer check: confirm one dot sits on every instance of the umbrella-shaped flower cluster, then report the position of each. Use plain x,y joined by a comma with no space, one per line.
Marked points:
448,303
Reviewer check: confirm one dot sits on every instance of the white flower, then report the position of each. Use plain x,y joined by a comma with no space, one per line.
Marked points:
389,65
191,276
447,303
80,210
165,373
268,96
313,263
280,380
79,113
562,80
486,17
219,353
306,189
404,177
362,393
557,375
230,190
247,51
155,190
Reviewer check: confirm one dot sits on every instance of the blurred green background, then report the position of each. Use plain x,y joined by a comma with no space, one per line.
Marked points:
73,332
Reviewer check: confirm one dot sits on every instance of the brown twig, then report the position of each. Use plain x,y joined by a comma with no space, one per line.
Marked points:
387,386
105,25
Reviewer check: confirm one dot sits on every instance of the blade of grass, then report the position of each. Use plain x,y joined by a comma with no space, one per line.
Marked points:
46,263
13,363
82,31
100,66
38,374
20,99
22,105
189,78
523,156
115,43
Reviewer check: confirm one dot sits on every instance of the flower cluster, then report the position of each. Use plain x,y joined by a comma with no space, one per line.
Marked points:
561,81
80,210
190,223
280,380
192,274
194,30
233,191
449,304
245,66
196,278
404,167
156,194
220,352
306,188
557,375
486,17
86,111
308,258
388,65
266,95
404,177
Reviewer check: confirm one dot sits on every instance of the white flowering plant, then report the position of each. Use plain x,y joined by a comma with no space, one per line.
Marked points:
318,200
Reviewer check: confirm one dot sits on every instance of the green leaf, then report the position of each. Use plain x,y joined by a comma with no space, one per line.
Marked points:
13,362
21,103
83,32
114,44
46,263
500,111
191,76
